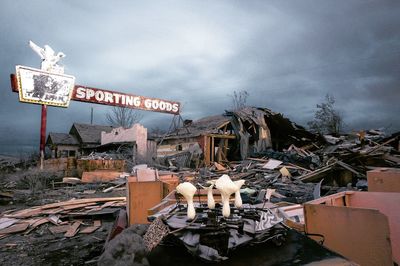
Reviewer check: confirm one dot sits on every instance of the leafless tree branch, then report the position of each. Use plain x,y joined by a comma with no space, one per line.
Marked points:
123,117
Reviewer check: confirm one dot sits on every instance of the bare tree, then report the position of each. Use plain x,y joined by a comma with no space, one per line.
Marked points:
239,99
123,117
326,119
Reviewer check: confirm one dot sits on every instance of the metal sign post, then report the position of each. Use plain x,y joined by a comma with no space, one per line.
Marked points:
50,86
43,122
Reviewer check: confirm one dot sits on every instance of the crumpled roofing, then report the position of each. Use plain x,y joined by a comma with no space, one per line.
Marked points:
206,125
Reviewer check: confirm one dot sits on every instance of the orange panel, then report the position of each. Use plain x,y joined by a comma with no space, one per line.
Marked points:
384,180
388,204
141,196
100,176
361,235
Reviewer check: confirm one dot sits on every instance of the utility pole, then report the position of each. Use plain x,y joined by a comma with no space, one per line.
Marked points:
91,115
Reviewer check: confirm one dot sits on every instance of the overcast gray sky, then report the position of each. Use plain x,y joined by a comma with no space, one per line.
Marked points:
286,54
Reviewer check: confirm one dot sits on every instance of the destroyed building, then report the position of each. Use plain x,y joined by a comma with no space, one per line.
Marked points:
236,135
260,193
132,140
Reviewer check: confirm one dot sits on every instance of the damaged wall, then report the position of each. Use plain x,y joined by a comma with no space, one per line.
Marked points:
137,133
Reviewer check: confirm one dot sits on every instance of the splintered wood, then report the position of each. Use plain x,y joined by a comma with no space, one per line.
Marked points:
91,229
73,229
25,221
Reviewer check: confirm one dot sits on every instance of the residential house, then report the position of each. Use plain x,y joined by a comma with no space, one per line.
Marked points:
62,145
81,140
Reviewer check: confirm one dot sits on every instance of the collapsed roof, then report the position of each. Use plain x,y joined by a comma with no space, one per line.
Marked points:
256,129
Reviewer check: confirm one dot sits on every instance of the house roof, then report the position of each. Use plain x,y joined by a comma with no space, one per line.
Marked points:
90,133
62,139
206,125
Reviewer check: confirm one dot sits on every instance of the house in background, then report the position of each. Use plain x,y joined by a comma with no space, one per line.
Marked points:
88,136
131,144
81,140
62,145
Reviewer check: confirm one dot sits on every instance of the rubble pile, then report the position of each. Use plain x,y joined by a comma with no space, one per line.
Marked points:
9,164
68,217
272,175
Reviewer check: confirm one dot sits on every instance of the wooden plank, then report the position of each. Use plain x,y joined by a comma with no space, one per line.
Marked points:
88,230
315,176
348,167
361,235
25,213
225,152
59,229
77,206
6,222
36,224
105,205
377,147
207,154
391,158
79,201
15,228
91,229
100,176
219,166
222,136
212,149
38,210
51,211
73,229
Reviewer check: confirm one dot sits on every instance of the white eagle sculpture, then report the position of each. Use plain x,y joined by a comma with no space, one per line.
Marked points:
49,58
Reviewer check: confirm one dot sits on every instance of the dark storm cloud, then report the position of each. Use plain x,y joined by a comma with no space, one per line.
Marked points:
286,54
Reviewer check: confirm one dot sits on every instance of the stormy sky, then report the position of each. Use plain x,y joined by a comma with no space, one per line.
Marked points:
287,54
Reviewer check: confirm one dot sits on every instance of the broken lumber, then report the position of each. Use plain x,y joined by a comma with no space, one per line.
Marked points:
38,210
73,229
59,229
91,229
14,228
313,176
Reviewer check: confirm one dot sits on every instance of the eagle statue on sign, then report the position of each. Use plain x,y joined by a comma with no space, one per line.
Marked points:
49,58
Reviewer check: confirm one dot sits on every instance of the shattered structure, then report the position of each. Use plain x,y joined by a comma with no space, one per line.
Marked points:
235,135
246,187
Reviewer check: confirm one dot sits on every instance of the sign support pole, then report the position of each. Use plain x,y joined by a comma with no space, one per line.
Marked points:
43,134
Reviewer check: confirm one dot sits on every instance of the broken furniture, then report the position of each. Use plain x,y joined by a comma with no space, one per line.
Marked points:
362,226
145,190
